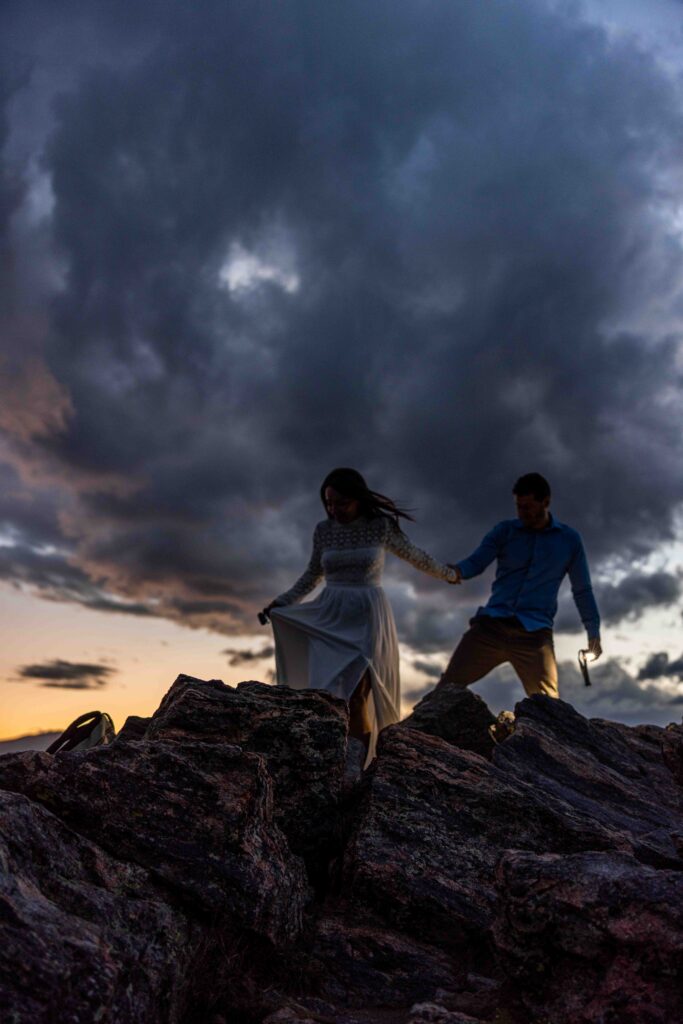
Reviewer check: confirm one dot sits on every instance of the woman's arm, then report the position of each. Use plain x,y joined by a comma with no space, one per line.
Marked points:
306,582
398,544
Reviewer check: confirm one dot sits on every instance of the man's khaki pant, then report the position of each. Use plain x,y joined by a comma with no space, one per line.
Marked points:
490,642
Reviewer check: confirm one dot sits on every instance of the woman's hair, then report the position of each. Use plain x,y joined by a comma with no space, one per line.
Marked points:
351,484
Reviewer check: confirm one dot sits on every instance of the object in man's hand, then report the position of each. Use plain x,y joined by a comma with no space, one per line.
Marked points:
583,665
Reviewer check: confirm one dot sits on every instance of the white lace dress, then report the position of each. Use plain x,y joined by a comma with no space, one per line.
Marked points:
331,642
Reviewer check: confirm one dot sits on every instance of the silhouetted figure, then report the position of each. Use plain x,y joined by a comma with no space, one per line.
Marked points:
345,640
533,553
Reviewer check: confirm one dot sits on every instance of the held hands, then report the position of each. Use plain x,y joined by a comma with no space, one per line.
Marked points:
594,647
458,574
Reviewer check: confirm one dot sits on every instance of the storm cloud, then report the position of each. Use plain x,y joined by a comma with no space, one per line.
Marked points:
636,593
660,666
248,656
627,600
245,243
67,675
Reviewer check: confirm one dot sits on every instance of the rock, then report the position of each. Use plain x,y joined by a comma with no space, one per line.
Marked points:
317,1011
591,938
597,772
418,860
432,1013
434,821
83,937
165,877
672,751
356,964
197,815
291,1014
300,734
431,827
459,716
134,728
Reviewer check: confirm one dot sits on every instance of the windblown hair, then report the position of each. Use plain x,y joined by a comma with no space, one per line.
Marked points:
534,484
351,484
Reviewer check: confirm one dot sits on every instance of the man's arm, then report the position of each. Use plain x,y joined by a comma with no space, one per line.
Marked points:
584,599
484,554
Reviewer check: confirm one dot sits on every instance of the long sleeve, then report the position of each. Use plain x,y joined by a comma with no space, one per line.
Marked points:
484,554
398,544
310,578
582,591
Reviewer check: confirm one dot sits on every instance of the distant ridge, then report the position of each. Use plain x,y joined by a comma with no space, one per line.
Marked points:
37,741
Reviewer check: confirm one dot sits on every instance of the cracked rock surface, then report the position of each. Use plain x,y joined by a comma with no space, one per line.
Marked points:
223,860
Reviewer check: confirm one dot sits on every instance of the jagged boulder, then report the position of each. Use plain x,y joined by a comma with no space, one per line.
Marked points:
594,772
354,962
83,937
592,937
672,751
459,716
434,821
198,815
435,1013
300,734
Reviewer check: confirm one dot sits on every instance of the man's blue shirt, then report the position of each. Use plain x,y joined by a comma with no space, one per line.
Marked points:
531,567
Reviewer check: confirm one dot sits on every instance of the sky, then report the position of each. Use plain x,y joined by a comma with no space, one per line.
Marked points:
244,243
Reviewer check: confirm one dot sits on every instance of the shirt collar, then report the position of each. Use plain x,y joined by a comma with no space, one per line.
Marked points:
552,525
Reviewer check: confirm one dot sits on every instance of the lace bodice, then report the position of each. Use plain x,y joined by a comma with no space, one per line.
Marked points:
353,553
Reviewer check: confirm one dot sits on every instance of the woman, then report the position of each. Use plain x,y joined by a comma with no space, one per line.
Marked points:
345,640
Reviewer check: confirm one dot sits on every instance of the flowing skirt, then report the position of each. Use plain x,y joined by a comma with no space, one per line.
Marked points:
331,642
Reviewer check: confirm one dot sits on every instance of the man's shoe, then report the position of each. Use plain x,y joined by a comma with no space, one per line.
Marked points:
503,727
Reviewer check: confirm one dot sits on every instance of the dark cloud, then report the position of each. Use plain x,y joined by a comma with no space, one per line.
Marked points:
635,594
252,242
426,667
28,513
245,657
55,577
658,666
626,601
67,675
616,694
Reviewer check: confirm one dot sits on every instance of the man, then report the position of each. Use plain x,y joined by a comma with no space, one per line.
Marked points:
534,553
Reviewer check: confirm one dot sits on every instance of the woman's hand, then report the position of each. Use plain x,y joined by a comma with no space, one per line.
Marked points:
264,616
458,573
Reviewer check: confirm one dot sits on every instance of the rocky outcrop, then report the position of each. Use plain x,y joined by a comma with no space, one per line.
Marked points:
218,863
459,716
198,816
299,735
591,937
85,937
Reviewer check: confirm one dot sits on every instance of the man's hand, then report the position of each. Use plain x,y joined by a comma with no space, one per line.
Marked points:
458,573
594,647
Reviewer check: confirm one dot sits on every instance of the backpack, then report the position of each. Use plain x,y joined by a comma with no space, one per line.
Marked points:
92,729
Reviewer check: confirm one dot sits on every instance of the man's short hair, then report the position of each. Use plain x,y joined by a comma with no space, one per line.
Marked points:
534,484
